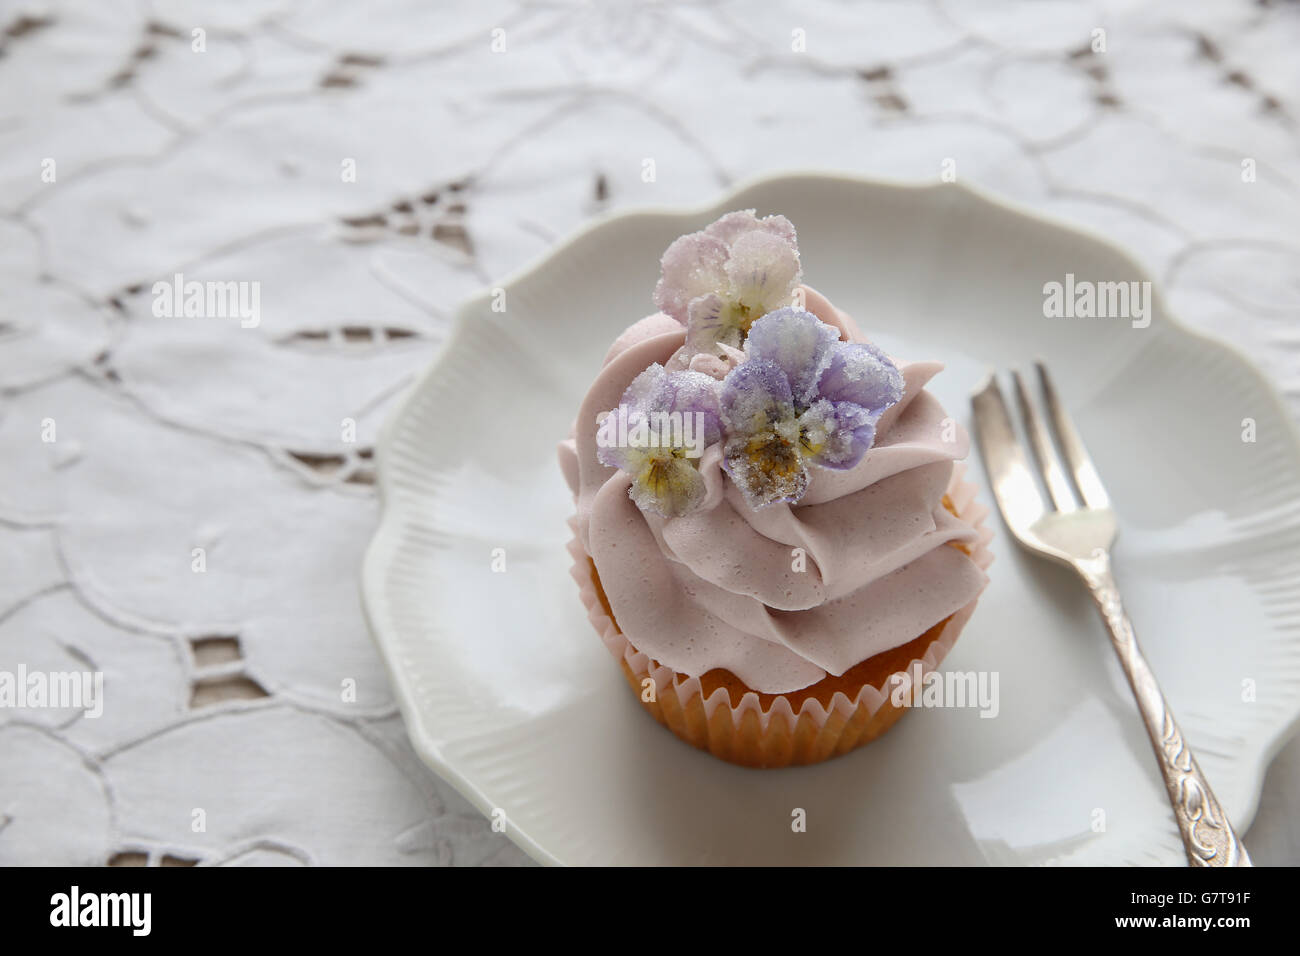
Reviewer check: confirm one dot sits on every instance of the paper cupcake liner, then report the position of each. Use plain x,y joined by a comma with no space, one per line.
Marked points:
745,733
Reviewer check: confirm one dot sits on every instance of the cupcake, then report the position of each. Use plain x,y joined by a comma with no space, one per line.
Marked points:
771,521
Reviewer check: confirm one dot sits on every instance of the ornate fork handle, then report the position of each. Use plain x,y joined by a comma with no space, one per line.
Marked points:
1208,837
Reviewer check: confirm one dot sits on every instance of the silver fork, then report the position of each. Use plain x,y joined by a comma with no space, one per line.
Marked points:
1080,535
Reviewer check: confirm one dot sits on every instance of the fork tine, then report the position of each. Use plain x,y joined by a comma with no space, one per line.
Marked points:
1013,483
1076,455
1058,486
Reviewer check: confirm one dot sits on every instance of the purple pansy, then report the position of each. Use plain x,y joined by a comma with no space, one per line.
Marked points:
718,281
657,435
800,396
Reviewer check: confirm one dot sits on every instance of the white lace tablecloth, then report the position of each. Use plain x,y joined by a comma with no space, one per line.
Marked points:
183,505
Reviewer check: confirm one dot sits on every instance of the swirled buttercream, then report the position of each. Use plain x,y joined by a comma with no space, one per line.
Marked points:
782,595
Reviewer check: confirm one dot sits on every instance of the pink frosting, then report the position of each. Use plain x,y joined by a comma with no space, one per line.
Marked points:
718,587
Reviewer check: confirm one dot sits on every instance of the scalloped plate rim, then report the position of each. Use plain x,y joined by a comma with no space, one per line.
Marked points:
380,551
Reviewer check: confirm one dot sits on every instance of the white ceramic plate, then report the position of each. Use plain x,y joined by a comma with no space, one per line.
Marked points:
509,695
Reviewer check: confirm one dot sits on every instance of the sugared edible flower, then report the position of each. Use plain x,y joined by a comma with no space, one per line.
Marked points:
800,396
717,282
657,435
